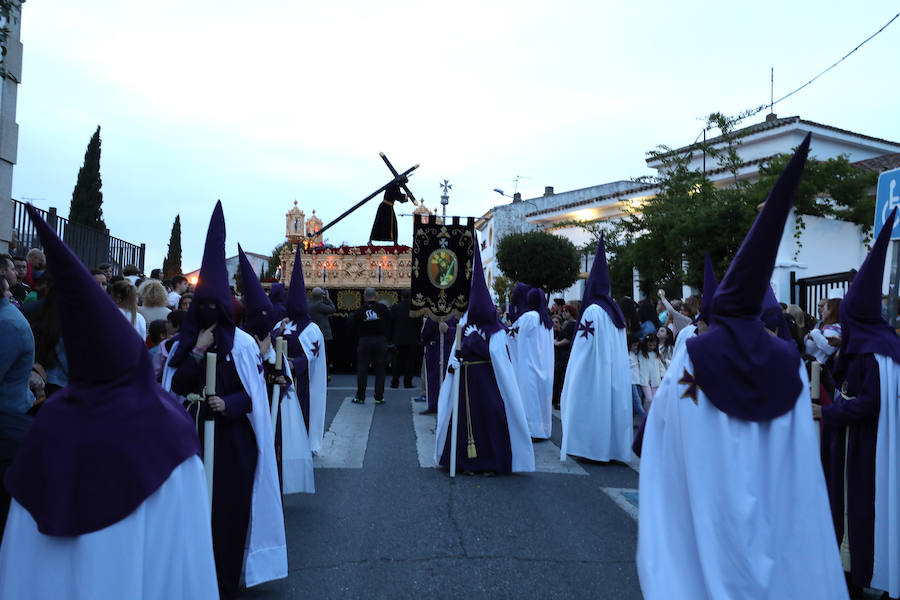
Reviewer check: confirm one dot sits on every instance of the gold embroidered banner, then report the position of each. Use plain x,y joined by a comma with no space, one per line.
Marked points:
441,267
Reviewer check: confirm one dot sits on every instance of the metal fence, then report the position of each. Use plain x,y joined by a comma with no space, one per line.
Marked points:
807,291
92,246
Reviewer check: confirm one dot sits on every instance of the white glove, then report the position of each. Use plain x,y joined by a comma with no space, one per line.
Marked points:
453,365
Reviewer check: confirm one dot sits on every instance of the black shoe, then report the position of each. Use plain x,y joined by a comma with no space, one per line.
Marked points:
379,400
427,411
408,386
358,401
395,385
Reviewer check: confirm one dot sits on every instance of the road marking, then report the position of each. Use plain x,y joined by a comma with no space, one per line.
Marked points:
344,445
626,498
557,414
424,426
546,460
546,453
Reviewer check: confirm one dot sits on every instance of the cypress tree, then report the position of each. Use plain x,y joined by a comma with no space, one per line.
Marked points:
87,197
172,262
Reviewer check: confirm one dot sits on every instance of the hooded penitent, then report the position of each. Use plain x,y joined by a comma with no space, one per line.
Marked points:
745,372
259,317
537,301
276,295
517,301
482,313
108,440
212,296
863,330
710,283
596,290
773,317
297,309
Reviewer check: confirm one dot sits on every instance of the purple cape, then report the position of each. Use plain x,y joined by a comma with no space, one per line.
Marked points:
108,440
743,370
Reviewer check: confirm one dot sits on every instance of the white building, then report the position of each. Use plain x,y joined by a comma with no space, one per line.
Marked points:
826,245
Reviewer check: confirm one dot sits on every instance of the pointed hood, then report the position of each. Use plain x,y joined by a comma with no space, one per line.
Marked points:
97,440
773,316
710,283
596,289
212,296
518,301
481,312
259,318
296,301
276,295
743,370
863,330
537,301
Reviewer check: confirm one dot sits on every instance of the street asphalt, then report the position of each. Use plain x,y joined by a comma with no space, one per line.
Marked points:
395,529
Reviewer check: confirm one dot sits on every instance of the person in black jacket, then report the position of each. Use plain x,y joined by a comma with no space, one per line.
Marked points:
372,322
405,336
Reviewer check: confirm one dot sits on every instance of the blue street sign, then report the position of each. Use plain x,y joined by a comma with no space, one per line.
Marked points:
886,198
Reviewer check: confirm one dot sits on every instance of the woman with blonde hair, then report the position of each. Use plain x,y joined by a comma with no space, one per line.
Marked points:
154,301
125,296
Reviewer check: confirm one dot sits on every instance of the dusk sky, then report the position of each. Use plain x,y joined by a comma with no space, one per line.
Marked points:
263,103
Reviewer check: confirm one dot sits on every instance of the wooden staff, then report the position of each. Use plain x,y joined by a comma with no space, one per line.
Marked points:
209,426
454,394
276,389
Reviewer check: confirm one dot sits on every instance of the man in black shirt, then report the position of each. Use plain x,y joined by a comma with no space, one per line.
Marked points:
372,322
405,336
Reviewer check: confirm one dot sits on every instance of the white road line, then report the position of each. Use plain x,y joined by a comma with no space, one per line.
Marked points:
557,414
546,460
546,453
344,445
618,496
424,426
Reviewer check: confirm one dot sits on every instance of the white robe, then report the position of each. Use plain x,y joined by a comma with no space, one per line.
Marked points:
318,383
519,437
163,549
296,456
886,563
265,552
732,508
534,373
681,339
595,403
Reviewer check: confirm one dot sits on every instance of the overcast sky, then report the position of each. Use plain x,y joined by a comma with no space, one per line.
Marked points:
263,103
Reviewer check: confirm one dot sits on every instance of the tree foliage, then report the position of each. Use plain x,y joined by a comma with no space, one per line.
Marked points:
87,196
503,287
172,262
667,236
274,261
539,259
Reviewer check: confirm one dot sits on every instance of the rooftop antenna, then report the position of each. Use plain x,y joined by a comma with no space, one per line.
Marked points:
516,181
771,116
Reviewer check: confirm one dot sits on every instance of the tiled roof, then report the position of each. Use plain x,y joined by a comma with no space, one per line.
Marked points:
774,124
594,200
879,164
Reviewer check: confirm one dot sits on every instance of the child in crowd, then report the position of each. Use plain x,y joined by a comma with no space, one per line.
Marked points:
636,397
650,368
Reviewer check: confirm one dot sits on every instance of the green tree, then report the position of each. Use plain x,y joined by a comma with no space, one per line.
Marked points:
503,287
539,259
87,197
274,261
172,262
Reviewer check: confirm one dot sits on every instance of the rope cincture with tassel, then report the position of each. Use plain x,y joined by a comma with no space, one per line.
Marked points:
470,446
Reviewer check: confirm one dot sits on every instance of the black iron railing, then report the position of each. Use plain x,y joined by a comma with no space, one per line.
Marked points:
93,246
